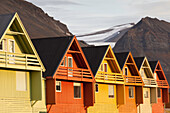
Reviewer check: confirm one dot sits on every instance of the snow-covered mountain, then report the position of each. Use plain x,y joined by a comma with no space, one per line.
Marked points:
107,36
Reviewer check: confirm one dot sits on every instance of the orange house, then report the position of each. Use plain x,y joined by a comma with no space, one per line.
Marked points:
163,87
69,79
133,83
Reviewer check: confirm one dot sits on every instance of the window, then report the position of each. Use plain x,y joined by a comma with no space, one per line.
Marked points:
105,67
70,64
97,88
111,91
58,86
11,46
3,45
155,76
64,63
21,81
101,67
126,71
131,92
146,95
77,90
159,93
142,72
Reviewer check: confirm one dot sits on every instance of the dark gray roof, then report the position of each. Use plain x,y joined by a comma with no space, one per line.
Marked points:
139,61
94,56
121,58
5,19
51,51
153,65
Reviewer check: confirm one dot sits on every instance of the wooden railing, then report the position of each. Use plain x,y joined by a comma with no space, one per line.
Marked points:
133,79
70,72
149,81
108,76
162,83
19,61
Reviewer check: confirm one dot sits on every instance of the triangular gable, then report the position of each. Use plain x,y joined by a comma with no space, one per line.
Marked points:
142,62
79,56
160,72
14,26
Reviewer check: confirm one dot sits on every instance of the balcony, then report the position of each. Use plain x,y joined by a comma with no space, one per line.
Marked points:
149,81
109,77
19,61
133,80
162,83
78,74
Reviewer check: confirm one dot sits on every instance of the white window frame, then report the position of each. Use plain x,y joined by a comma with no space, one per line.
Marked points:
9,43
125,71
77,84
70,74
109,87
56,86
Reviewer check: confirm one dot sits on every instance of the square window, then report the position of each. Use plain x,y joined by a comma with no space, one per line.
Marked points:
131,92
77,90
111,91
58,86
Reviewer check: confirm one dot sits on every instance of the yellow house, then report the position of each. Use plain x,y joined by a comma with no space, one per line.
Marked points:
150,85
109,87
21,84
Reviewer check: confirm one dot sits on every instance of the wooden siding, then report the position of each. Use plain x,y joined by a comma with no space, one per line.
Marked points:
104,104
65,101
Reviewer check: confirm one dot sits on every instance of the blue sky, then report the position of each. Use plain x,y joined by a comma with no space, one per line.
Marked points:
84,16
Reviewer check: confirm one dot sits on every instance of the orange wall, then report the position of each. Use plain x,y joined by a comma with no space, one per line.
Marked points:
130,103
158,107
65,101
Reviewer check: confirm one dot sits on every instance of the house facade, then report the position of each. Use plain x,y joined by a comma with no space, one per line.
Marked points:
163,87
21,83
109,87
133,83
69,79
150,85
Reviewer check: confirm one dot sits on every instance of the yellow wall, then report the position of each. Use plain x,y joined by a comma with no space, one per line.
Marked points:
146,107
104,104
13,101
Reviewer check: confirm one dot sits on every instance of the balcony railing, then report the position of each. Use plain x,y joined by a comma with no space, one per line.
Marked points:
149,81
19,61
162,83
133,80
108,76
73,73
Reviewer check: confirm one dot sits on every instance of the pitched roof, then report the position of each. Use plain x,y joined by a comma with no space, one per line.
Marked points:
51,51
153,65
121,58
95,55
139,61
5,19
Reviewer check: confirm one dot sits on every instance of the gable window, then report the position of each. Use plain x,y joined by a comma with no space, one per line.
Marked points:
77,90
126,71
70,64
131,92
111,91
105,67
159,93
142,72
21,81
11,46
97,87
58,86
3,45
64,62
146,95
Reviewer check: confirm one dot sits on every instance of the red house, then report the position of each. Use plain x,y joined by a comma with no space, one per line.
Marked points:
69,79
163,87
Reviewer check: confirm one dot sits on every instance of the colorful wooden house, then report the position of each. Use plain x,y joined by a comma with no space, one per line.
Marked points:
109,87
21,84
163,87
150,85
133,83
69,79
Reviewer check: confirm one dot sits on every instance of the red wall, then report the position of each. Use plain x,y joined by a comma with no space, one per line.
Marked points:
130,103
65,101
158,107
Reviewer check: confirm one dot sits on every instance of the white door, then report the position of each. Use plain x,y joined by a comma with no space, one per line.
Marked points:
11,50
